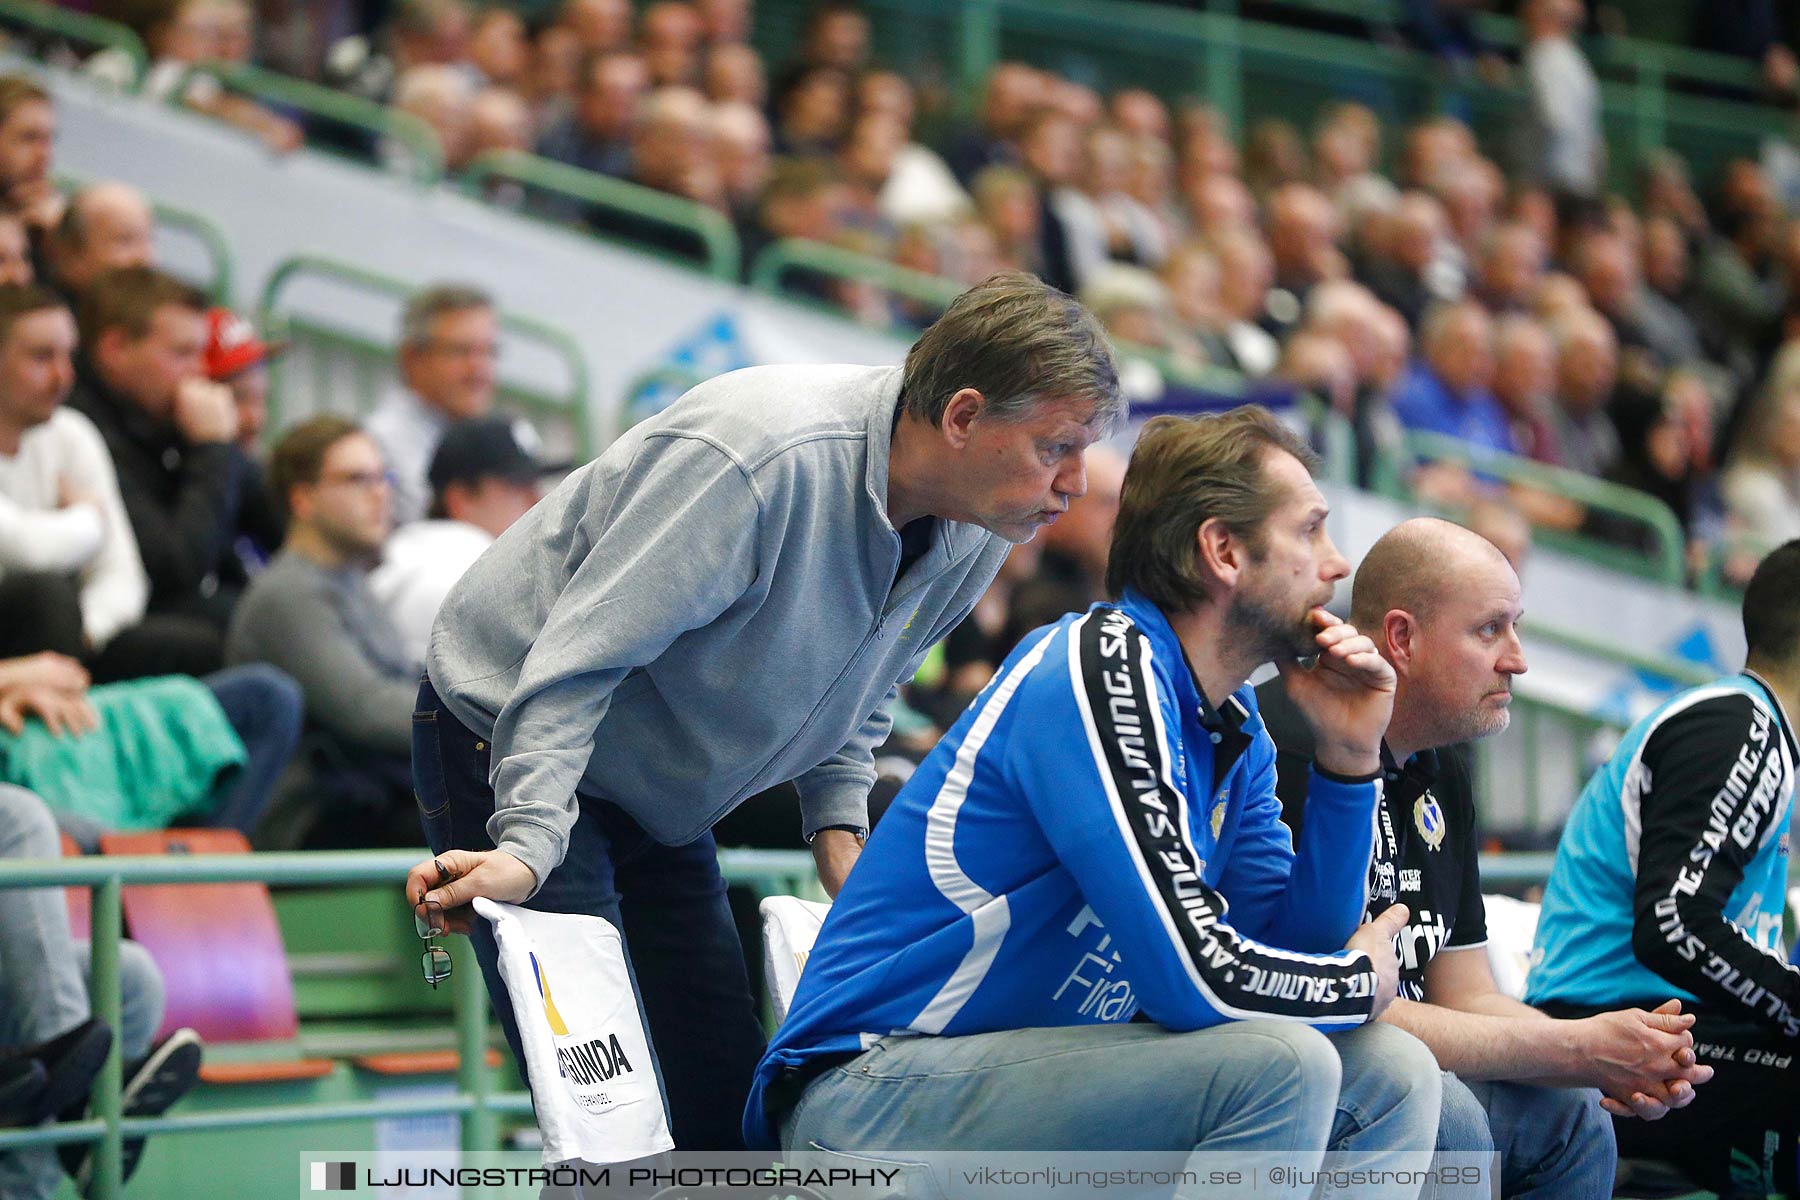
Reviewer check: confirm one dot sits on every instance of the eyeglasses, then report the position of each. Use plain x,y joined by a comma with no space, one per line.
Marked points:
366,480
436,960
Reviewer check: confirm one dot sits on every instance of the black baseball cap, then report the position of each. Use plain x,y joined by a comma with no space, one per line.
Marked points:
494,447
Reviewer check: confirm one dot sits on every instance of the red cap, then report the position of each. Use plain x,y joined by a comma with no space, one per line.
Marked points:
232,345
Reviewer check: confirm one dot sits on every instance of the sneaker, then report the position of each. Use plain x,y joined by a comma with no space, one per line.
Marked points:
22,1085
152,1087
70,1062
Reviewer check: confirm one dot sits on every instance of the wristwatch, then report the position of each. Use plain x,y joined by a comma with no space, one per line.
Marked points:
862,834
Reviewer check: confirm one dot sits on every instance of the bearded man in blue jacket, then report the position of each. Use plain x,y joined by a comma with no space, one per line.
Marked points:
1088,878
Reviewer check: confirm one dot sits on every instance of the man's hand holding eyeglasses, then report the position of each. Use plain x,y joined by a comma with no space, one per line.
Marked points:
456,877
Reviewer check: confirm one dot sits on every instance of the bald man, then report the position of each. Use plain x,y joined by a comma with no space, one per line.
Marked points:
1443,606
106,226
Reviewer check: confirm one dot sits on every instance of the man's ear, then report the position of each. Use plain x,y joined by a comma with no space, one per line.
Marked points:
960,416
1221,552
110,342
1397,638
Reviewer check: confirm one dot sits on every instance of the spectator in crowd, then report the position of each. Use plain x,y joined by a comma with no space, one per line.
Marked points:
1246,273
595,134
1642,319
1568,153
550,85
725,21
1665,270
1346,147
1446,391
236,357
1007,200
1216,203
46,1015
440,97
1762,475
421,33
1050,146
1442,605
1014,93
1200,333
1737,288
1041,824
73,580
1524,385
484,476
27,144
734,73
171,433
106,226
16,267
1302,233
670,35
599,26
182,34
741,146
671,147
1508,268
812,112
498,50
1658,456
1587,369
1405,269
449,341
1274,155
499,120
1669,879
312,614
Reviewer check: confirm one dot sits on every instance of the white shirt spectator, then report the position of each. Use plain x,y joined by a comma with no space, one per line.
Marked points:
1764,501
419,565
408,432
94,540
1565,105
922,190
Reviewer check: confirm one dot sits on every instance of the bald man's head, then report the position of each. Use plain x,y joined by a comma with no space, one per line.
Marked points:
1442,605
1413,566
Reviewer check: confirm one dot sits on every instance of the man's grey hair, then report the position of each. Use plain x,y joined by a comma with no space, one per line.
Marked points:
434,302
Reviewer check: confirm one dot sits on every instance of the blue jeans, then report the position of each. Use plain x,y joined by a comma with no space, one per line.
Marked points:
668,903
1554,1143
1246,1086
43,977
265,706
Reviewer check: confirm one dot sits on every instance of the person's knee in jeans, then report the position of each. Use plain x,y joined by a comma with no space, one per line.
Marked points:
1391,1080
1462,1121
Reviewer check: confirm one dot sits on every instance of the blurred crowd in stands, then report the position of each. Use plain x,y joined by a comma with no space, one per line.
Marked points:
1373,281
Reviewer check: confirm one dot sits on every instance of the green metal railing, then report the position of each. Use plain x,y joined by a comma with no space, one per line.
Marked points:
78,27
770,871
1666,563
206,232
772,267
574,404
720,254
423,155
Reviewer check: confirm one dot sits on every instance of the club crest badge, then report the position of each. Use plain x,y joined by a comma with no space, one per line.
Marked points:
1428,819
1218,819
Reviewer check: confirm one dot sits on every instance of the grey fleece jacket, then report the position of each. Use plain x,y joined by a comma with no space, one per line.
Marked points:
706,610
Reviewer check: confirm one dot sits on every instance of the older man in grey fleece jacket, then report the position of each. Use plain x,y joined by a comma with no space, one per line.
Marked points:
727,599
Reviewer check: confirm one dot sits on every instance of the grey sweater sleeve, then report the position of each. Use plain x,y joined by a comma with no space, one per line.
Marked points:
675,549
836,792
297,626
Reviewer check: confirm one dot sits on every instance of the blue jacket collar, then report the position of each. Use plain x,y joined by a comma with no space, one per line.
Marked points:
1230,714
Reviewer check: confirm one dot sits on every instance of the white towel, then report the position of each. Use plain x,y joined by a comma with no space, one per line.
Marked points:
592,1080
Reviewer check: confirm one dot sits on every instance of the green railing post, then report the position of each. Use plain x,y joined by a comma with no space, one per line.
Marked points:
208,234
774,262
977,47
1224,58
107,1002
1649,105
80,27
377,120
480,1129
717,237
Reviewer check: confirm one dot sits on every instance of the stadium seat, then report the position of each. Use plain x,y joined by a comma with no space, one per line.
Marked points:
80,900
790,927
219,948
